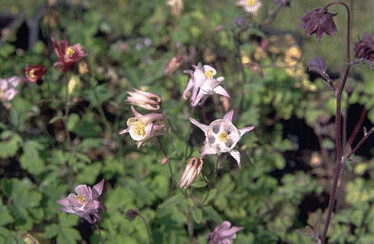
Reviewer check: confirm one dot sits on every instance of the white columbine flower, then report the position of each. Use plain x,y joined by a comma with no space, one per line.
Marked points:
203,84
142,127
221,136
250,6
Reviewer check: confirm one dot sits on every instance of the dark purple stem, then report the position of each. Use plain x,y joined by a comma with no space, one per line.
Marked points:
338,121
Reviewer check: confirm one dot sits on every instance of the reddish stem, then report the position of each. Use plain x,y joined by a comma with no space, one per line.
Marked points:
357,126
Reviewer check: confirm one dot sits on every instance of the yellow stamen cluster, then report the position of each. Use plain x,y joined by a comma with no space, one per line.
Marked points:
251,2
139,128
223,136
81,199
209,74
69,51
32,73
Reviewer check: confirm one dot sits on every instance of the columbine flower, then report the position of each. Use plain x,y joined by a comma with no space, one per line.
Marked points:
142,127
318,22
8,89
317,64
85,203
222,136
203,84
146,100
192,170
35,72
176,6
250,6
223,234
67,55
364,48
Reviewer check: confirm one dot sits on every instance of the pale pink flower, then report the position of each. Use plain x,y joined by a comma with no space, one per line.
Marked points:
142,127
192,170
85,203
143,99
8,88
222,136
223,233
250,6
203,84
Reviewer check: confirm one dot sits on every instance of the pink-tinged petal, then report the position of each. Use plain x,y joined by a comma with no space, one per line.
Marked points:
149,118
67,210
208,67
199,76
228,116
63,45
207,150
124,131
202,127
198,98
245,130
64,202
236,155
136,113
86,216
224,226
73,200
221,91
230,232
148,130
97,189
220,79
188,88
139,143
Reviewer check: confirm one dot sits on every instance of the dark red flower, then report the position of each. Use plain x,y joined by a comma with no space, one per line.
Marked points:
67,55
364,48
35,72
318,22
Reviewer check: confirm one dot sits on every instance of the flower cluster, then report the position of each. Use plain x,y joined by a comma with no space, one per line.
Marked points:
85,202
8,89
143,127
203,84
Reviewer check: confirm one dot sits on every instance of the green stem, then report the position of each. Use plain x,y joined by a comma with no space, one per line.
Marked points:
147,227
98,230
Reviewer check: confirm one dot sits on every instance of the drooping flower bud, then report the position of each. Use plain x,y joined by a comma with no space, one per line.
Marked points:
317,64
131,214
364,49
143,99
318,22
192,170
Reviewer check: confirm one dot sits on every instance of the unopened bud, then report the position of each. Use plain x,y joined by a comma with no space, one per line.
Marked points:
132,214
164,161
192,170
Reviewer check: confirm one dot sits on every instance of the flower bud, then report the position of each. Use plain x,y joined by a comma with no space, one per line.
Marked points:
131,214
143,99
192,170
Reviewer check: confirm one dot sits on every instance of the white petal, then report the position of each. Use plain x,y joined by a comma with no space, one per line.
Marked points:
228,116
207,150
188,88
245,130
124,131
236,155
208,67
199,97
221,91
200,125
220,79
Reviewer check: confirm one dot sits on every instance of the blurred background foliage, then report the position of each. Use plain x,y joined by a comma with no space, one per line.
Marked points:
281,192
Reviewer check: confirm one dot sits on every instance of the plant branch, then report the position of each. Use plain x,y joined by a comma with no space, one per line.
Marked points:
98,230
363,139
338,121
147,228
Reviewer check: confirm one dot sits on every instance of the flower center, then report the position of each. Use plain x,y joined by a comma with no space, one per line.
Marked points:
223,136
139,128
251,2
69,51
209,74
32,73
81,199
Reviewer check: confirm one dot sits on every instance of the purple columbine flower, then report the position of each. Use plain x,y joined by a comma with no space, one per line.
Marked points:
317,64
364,48
223,234
67,55
85,203
318,22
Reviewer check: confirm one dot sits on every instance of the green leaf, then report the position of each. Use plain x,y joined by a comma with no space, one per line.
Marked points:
199,184
67,235
89,173
212,214
73,121
30,159
197,215
9,144
5,217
